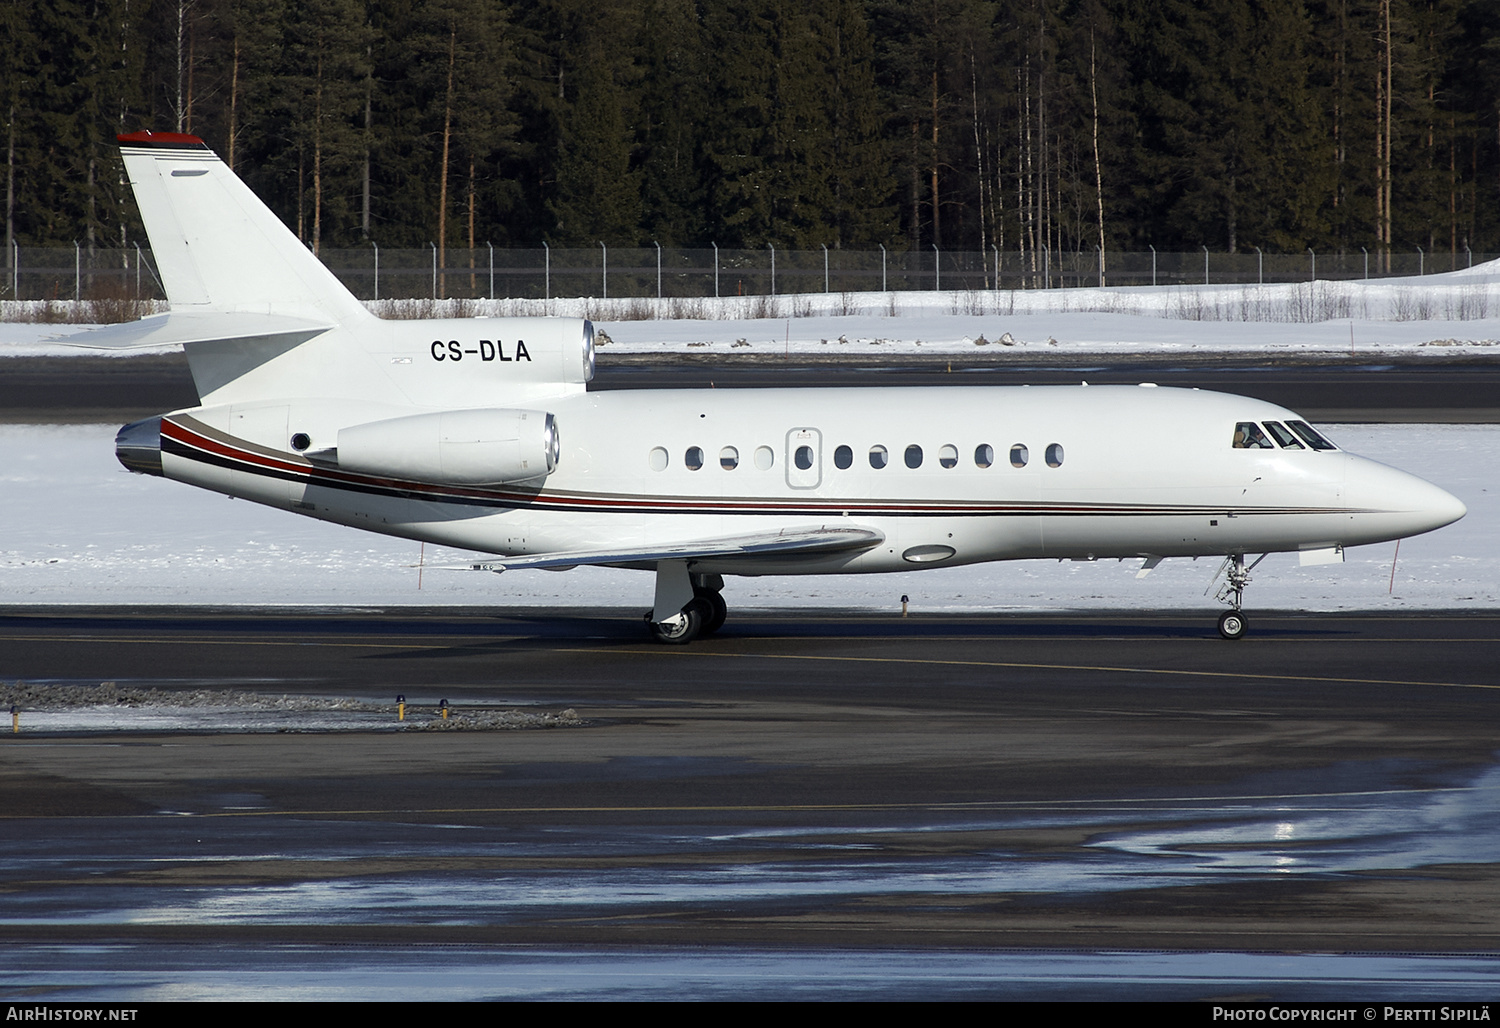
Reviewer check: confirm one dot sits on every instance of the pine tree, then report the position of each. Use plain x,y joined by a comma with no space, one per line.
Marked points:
862,188
326,59
673,61
598,192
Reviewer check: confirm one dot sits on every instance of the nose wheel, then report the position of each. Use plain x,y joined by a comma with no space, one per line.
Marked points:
1232,624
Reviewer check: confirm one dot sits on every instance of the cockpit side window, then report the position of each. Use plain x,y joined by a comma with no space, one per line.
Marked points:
1248,436
1285,439
1310,437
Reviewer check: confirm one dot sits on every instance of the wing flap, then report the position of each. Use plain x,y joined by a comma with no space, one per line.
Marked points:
810,542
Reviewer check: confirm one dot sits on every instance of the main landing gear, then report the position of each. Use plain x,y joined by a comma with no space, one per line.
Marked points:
702,615
1232,623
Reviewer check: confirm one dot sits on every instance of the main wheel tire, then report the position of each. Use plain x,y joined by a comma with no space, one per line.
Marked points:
718,610
1232,624
683,629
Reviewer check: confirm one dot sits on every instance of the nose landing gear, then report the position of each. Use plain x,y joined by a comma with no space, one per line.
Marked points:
1232,623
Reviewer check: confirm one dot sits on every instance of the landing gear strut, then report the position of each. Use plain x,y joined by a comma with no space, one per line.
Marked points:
701,615
1232,623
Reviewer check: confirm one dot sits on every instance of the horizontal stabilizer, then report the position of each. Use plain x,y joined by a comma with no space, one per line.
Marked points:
183,327
809,542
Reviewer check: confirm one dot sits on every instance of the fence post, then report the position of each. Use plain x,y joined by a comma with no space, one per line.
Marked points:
546,271
137,271
492,267
377,268
1046,266
773,267
716,269
997,265
658,268
15,270
1205,265
1367,262
1470,253
937,269
1313,275
1421,263
604,271
77,272
825,267
883,289
1100,249
1260,267
434,267
1153,263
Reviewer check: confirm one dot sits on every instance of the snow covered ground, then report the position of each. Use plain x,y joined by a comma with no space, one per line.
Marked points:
1430,316
76,528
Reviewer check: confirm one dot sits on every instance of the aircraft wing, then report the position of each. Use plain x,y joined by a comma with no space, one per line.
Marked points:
182,327
789,542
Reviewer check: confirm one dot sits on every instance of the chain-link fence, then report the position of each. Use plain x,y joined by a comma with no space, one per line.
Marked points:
371,273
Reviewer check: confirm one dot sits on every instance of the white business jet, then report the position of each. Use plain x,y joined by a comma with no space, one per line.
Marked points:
480,433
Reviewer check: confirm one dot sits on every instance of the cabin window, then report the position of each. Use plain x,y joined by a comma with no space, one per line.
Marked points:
879,456
914,456
1310,437
1285,439
984,455
948,456
693,458
803,458
1019,455
1054,455
658,459
843,458
1248,436
764,458
729,458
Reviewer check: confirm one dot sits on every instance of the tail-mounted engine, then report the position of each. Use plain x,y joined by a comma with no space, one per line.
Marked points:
458,447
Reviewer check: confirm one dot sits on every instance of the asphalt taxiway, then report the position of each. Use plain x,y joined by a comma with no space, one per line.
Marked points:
1103,781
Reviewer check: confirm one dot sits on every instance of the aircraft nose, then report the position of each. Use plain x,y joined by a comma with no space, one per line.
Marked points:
1404,504
138,446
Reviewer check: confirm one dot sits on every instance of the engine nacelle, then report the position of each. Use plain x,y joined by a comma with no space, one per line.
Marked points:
456,447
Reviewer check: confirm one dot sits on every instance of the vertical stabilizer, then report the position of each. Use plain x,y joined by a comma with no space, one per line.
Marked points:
219,248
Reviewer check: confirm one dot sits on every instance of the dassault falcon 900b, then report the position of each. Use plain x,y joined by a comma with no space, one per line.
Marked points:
480,433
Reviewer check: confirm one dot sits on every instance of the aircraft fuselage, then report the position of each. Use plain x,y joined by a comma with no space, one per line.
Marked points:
948,475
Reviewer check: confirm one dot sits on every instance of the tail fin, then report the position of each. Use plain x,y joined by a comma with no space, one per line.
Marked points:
219,248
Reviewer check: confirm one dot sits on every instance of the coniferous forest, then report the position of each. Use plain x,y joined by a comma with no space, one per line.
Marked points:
1070,124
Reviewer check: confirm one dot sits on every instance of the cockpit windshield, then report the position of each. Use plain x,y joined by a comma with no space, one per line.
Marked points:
1250,436
1312,438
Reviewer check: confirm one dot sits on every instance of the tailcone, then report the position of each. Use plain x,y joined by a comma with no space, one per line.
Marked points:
138,446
